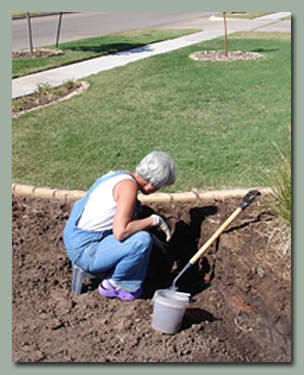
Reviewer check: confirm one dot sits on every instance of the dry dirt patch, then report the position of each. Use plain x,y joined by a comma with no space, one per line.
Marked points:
240,308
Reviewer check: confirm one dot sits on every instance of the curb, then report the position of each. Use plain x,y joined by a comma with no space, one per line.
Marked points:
40,15
74,195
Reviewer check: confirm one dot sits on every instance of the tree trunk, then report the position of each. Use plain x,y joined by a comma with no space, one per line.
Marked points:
58,29
225,26
29,29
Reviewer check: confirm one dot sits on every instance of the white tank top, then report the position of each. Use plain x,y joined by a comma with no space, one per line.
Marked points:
98,214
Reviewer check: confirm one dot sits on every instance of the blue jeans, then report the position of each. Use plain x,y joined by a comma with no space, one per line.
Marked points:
126,260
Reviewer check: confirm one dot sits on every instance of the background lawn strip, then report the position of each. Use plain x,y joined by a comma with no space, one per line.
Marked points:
217,120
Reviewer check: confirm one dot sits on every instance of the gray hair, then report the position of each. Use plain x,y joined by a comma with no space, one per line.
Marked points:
157,167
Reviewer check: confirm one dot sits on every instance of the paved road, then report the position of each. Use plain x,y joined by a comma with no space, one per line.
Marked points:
88,24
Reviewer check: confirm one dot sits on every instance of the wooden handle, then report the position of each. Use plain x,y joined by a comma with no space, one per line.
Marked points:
216,235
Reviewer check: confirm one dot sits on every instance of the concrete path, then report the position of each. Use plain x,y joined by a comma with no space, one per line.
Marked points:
212,28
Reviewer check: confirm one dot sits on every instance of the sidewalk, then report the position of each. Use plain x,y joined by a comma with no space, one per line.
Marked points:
212,28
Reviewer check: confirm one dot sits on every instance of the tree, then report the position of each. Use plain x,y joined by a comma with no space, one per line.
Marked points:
225,27
58,29
29,29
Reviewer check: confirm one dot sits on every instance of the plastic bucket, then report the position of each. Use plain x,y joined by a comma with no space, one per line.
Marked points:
168,311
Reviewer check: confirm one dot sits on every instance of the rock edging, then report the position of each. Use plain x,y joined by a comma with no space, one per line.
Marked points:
73,195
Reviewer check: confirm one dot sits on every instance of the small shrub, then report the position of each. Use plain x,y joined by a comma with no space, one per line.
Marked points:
44,88
69,84
16,105
279,180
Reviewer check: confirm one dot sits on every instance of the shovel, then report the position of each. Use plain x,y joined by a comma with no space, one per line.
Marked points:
249,198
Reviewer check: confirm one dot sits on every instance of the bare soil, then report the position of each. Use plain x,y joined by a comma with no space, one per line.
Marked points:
240,307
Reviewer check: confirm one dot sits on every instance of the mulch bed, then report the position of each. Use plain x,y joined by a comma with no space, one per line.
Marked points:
222,56
37,52
42,98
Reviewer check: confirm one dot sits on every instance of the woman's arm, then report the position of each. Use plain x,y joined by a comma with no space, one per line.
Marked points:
125,194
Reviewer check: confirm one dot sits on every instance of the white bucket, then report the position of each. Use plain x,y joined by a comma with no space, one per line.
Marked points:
169,309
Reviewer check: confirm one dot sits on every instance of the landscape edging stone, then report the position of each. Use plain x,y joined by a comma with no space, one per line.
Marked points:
74,195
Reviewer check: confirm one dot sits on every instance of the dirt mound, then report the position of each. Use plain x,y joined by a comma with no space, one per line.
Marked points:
240,308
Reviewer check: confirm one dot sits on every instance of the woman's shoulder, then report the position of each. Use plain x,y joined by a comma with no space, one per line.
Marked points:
121,175
125,187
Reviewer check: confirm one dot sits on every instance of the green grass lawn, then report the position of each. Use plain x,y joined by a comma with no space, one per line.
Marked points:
89,48
218,120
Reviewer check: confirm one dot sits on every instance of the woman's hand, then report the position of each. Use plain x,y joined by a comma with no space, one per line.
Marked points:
160,222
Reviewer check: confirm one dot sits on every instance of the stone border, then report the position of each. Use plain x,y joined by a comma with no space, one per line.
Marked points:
73,195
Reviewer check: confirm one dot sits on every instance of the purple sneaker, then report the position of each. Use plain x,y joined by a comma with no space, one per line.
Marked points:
111,292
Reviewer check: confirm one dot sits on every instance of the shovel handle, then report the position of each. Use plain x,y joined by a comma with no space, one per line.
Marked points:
249,198
225,225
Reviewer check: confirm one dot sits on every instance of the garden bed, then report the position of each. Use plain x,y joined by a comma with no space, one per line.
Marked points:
240,308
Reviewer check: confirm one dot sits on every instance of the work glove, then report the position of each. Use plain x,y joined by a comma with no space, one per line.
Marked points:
161,224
